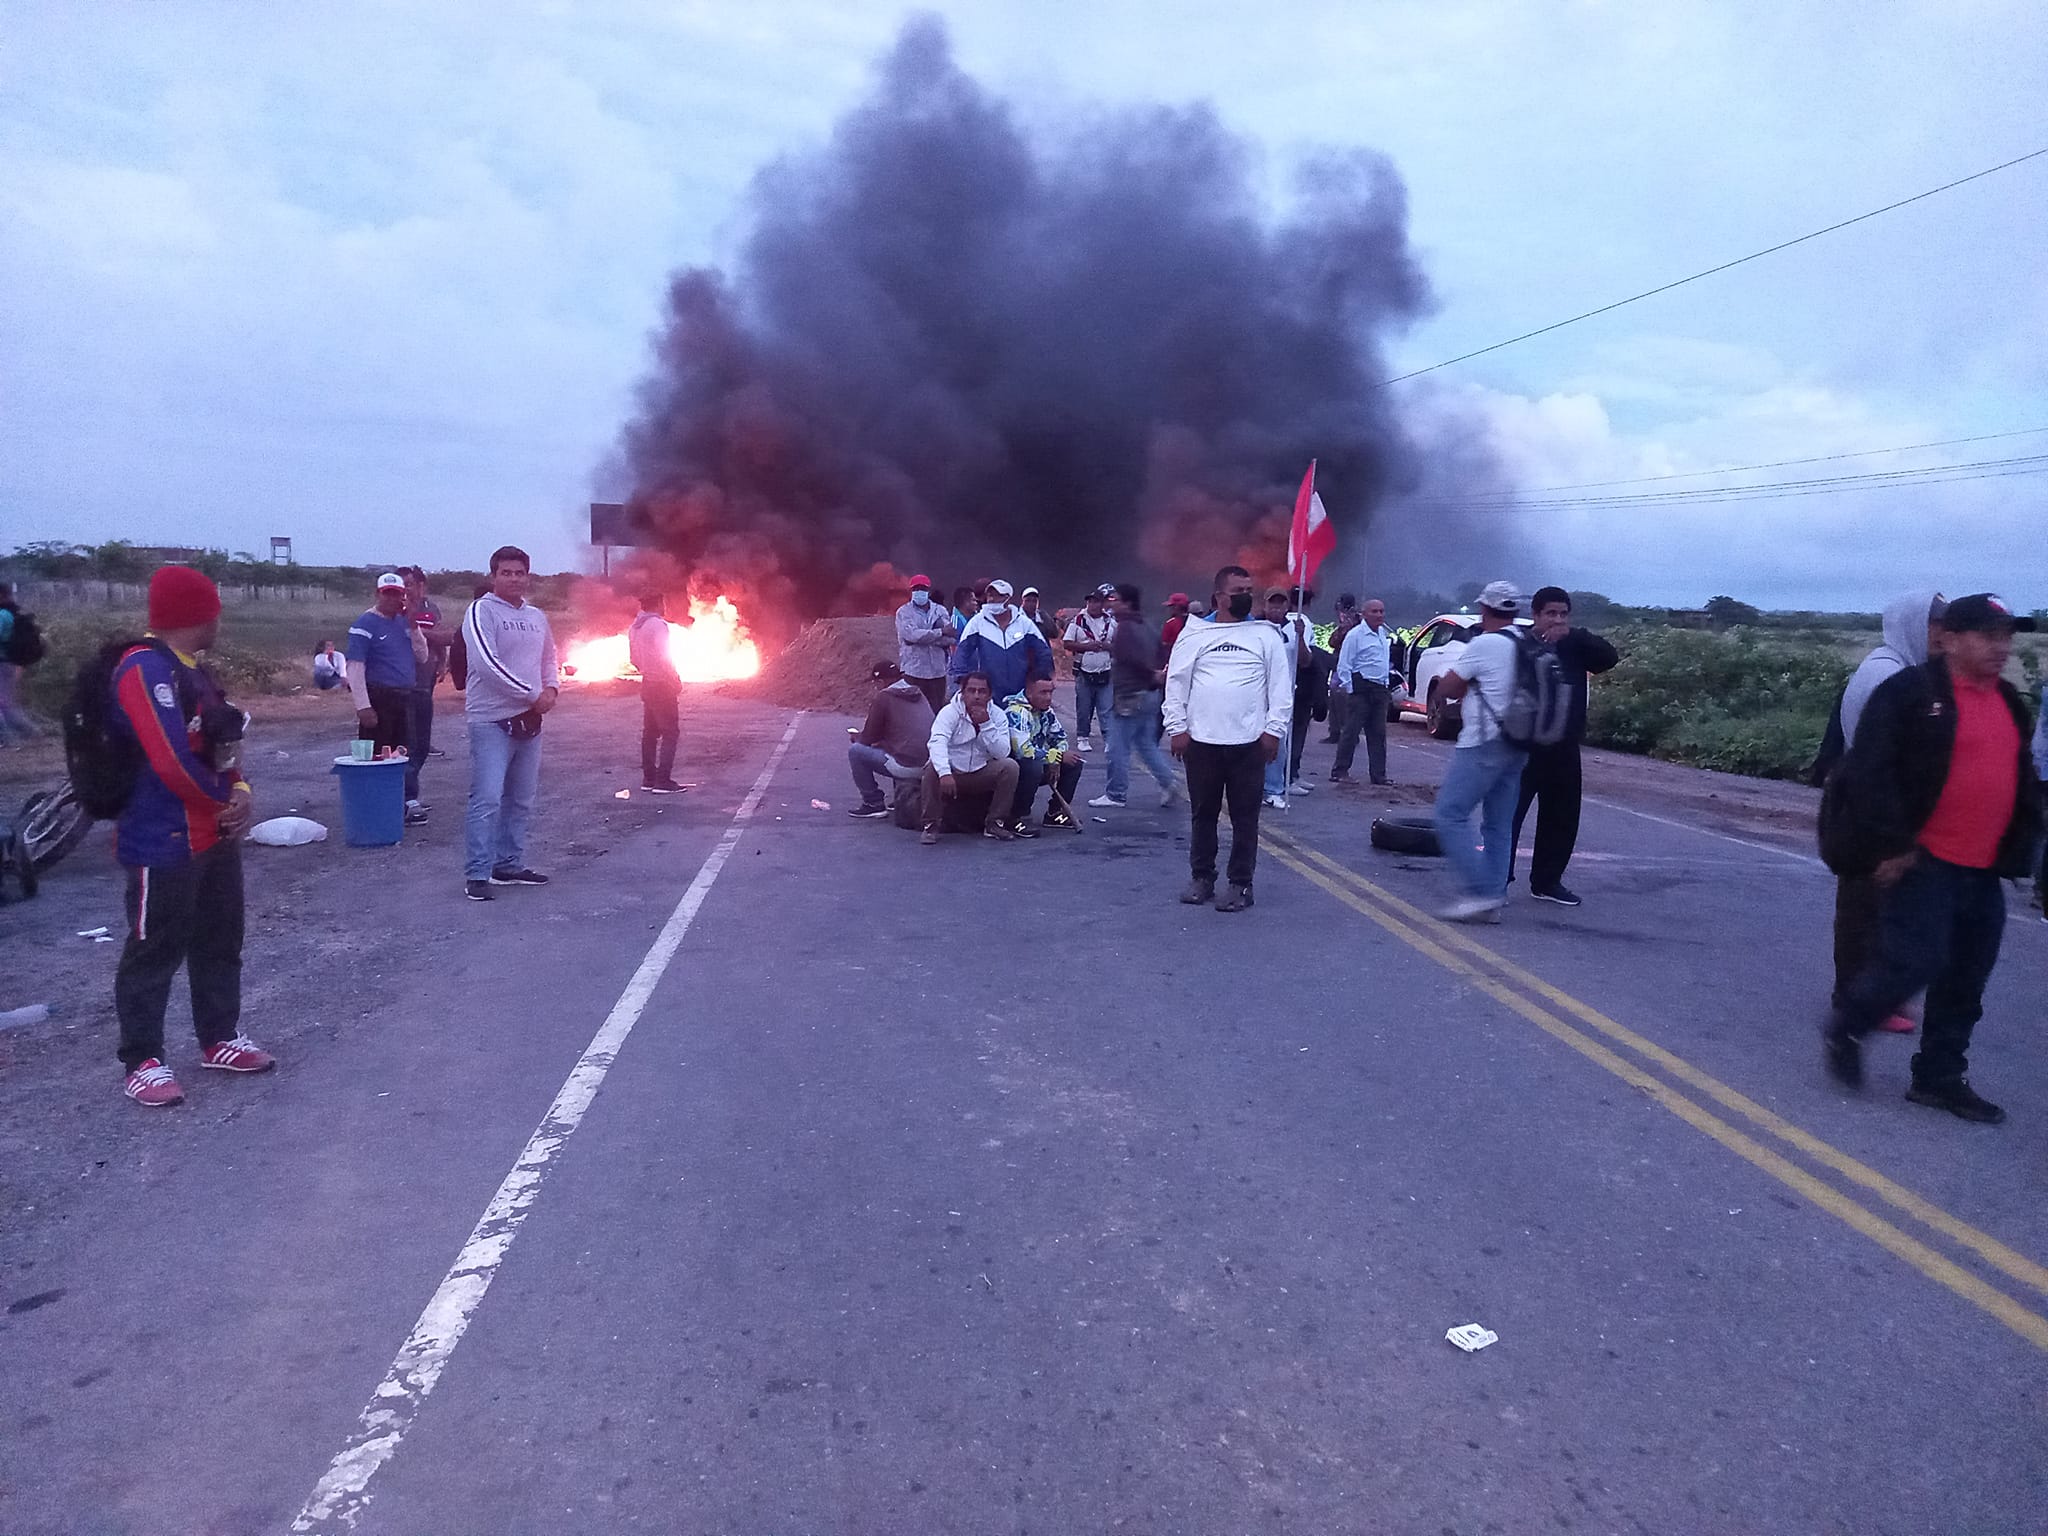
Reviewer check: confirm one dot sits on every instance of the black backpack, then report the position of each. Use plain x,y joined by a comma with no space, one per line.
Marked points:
1834,746
104,762
25,646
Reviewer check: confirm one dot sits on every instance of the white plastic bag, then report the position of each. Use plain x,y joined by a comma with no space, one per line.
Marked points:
287,832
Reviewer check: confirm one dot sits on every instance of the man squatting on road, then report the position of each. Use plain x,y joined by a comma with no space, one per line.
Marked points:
1229,706
969,754
894,740
513,682
661,691
179,839
1936,802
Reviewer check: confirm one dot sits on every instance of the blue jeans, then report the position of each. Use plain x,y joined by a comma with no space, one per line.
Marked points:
1137,730
1091,698
1485,778
1276,776
504,776
867,761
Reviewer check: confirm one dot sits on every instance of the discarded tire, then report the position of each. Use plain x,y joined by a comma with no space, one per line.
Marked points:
1406,834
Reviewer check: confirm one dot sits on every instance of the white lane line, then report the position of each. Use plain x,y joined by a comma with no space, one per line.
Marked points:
342,1494
1686,826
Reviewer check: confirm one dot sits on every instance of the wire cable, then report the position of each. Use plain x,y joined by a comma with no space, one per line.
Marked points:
1741,469
1769,250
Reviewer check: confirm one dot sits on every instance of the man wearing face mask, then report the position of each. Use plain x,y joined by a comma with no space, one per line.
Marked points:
924,636
1229,704
1003,643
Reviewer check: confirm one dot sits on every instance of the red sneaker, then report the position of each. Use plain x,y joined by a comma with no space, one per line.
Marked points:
152,1084
240,1054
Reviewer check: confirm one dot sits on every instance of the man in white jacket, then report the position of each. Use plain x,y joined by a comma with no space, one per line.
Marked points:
1229,704
970,753
513,682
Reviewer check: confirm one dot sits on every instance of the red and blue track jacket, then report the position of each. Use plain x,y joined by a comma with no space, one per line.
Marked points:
175,809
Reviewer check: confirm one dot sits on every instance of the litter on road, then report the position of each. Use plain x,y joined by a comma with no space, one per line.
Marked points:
287,832
97,935
1470,1337
15,1018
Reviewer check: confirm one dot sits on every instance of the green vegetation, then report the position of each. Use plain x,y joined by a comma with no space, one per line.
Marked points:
1739,701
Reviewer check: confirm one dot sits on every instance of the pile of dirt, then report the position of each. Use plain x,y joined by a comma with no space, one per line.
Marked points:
826,667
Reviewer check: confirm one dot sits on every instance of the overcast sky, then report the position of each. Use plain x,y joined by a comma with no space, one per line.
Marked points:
381,277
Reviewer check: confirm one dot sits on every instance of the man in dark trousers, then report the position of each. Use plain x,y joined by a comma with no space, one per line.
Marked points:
661,691
1552,775
1937,802
385,654
894,740
179,839
1229,704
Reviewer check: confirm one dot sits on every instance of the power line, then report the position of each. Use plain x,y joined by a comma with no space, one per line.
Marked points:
1770,250
1740,469
1770,490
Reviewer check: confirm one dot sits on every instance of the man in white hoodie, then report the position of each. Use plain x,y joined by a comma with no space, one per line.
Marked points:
1229,705
970,753
513,681
1912,633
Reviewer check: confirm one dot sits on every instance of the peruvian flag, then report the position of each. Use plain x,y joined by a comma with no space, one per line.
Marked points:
1312,536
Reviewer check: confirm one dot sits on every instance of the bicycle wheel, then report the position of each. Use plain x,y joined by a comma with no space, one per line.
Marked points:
52,824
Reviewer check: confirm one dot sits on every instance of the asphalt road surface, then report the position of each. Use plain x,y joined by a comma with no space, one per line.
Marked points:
770,1173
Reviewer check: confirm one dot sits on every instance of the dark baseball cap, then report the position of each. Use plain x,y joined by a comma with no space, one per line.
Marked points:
1983,610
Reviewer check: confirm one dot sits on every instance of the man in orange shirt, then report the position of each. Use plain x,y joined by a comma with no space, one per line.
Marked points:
1937,803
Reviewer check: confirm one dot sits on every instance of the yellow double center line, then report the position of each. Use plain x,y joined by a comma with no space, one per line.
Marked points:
1552,1010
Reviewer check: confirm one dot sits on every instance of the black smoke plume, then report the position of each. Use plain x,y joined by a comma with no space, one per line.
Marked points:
952,345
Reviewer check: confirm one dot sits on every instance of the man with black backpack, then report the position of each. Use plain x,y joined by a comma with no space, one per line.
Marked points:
152,743
1485,771
1551,780
21,647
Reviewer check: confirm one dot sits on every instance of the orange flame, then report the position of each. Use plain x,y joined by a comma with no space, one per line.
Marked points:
713,648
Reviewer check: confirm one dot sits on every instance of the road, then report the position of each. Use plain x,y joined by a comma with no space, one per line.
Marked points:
874,1188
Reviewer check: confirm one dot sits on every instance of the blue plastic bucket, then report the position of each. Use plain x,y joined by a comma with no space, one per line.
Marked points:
372,801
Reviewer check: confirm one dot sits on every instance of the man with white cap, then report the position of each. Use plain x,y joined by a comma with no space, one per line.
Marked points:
1485,771
924,634
1003,643
1088,639
385,653
1029,602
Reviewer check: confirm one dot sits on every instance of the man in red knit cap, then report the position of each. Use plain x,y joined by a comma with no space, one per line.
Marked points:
179,837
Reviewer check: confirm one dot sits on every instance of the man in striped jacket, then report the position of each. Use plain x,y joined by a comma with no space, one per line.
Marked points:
513,682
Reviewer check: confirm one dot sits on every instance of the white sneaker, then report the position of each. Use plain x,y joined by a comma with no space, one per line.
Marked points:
1473,909
1085,745
1275,802
1168,795
1300,787
1104,802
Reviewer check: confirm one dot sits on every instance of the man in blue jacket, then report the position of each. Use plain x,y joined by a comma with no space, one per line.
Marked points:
1003,643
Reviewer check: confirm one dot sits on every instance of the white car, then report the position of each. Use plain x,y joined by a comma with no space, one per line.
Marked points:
1429,655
